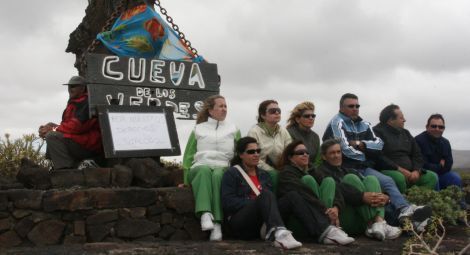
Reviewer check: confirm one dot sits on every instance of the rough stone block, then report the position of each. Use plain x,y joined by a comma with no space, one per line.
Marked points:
135,228
23,227
147,172
117,198
71,239
97,177
156,209
148,239
96,233
67,178
124,212
166,218
79,228
41,216
121,176
9,239
33,176
26,199
180,199
102,217
67,200
179,235
3,201
47,232
166,232
178,221
20,213
5,224
194,230
137,212
4,215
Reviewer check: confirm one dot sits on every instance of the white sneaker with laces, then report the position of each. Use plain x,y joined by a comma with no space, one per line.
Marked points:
216,233
285,240
376,230
206,221
337,236
391,232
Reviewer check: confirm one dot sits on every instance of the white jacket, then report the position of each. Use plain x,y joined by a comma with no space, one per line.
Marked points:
215,143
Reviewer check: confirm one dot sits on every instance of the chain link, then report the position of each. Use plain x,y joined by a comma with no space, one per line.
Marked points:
175,27
91,48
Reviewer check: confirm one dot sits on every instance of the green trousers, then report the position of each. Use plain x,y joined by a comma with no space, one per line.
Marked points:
355,219
205,182
428,180
325,191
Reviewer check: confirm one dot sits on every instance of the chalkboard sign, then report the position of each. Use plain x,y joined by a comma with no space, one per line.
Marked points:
183,86
138,131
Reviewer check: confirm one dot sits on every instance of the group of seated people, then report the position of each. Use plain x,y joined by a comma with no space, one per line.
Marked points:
277,178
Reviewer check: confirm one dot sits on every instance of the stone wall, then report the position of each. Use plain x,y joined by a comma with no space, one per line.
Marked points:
78,215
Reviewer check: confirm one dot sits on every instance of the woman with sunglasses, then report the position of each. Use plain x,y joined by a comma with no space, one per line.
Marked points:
249,205
207,155
299,126
295,186
271,137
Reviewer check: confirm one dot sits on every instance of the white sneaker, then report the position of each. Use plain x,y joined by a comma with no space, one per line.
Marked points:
285,240
206,221
337,236
376,230
391,232
419,216
216,233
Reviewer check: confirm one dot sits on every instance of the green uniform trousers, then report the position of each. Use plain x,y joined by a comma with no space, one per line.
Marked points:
205,182
428,180
355,219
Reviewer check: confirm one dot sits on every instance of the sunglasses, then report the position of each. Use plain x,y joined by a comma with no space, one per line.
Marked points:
353,106
308,116
273,110
300,152
253,151
438,126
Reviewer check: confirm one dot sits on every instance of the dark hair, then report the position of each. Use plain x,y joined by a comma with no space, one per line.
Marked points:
209,104
388,113
263,106
287,153
240,147
435,116
327,144
346,96
298,111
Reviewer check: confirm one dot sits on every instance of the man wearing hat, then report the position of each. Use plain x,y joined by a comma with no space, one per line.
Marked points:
78,136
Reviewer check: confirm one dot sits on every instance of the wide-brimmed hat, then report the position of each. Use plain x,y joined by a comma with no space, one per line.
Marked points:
76,80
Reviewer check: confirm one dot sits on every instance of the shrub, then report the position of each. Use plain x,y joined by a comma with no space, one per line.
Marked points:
444,204
11,153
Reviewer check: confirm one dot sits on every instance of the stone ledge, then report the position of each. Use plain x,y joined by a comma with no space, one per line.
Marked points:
81,215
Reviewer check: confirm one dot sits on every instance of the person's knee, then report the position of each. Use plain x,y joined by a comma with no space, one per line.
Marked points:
218,173
308,179
53,135
328,181
455,179
352,178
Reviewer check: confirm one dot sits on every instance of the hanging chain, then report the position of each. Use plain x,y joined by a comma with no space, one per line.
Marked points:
175,27
91,48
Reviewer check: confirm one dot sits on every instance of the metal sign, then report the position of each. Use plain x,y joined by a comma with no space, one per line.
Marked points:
114,80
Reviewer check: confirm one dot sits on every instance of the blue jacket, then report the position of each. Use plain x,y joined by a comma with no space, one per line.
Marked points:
345,129
235,191
433,150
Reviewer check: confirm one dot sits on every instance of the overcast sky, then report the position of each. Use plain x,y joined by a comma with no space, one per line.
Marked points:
412,53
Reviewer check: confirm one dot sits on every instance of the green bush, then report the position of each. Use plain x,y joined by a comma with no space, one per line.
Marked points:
444,204
11,153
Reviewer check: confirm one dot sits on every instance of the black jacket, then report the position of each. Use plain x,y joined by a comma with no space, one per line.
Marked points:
400,149
235,191
290,180
347,193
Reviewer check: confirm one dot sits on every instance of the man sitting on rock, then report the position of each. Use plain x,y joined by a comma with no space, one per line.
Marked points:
78,136
437,152
401,157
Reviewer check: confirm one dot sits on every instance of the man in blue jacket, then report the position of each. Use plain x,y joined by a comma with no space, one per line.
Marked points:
360,148
437,152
